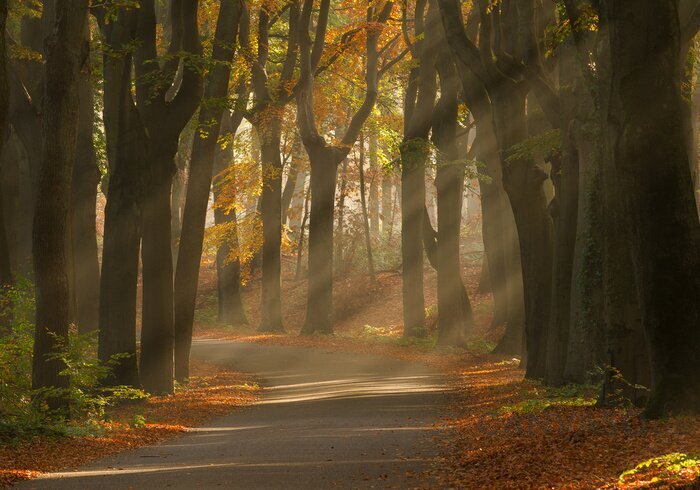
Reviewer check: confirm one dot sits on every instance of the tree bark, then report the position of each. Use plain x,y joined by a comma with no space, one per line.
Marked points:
5,260
454,313
319,306
418,107
86,178
165,115
648,159
64,56
204,150
126,139
271,214
564,210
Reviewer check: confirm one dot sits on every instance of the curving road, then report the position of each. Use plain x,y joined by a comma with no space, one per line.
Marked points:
325,420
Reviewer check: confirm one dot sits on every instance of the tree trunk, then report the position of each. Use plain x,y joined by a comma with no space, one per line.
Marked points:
647,157
5,260
412,208
454,313
373,204
319,306
365,214
204,152
51,219
387,211
228,272
339,255
271,213
86,178
523,182
157,323
564,210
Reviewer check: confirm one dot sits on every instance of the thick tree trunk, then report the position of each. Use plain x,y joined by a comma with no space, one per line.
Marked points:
587,333
454,313
51,218
319,307
523,182
126,140
492,227
157,324
271,213
648,159
86,178
204,153
564,210
412,208
418,108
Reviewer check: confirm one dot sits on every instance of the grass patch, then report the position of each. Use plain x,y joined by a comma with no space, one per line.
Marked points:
669,469
540,398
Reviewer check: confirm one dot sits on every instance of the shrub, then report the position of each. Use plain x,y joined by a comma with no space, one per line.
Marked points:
23,411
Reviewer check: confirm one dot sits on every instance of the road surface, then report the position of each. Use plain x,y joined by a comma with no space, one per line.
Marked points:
324,420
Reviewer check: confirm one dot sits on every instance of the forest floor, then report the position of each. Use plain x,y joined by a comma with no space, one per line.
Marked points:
503,431
508,432
213,391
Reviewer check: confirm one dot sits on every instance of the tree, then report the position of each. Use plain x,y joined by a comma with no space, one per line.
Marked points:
125,139
454,308
228,269
164,117
503,84
324,158
232,22
646,156
86,177
272,93
5,267
64,57
418,105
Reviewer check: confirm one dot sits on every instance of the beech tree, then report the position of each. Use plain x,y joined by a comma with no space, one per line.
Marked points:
232,23
324,158
64,58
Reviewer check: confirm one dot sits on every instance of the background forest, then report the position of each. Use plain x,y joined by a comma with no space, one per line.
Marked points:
513,180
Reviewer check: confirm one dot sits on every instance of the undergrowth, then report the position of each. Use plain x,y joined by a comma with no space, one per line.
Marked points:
667,469
24,411
540,398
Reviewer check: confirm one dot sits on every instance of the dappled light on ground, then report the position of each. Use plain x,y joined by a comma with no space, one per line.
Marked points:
328,417
514,434
212,392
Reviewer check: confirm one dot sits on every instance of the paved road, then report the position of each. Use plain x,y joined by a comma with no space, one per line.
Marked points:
325,420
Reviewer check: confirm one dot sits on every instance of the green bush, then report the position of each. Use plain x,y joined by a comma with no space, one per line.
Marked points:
24,412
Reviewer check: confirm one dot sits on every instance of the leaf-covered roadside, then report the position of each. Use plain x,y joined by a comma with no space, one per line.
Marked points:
212,391
512,433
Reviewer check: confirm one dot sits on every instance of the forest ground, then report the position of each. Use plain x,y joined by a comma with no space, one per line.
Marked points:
502,431
324,420
506,432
